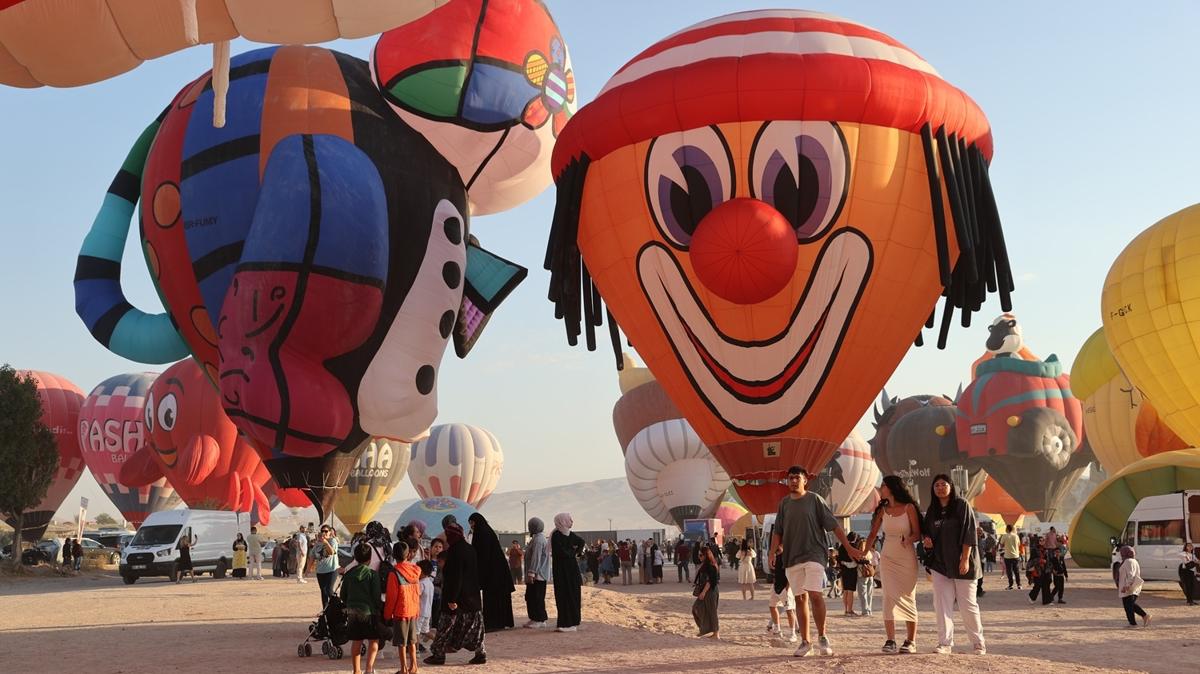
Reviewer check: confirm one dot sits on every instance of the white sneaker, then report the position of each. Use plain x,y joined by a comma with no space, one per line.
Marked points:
804,650
535,625
943,650
566,629
823,646
980,650
792,638
908,647
772,628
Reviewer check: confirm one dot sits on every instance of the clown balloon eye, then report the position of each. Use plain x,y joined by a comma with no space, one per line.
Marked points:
168,412
687,175
803,170
149,414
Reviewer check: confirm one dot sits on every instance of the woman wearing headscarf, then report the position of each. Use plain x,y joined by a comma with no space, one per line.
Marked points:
949,528
537,572
1130,586
564,550
494,576
460,624
240,561
704,609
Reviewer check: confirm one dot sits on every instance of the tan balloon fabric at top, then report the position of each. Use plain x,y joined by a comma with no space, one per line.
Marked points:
67,43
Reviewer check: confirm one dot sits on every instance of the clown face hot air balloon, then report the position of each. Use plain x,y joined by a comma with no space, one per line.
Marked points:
1122,425
1149,319
770,204
321,336
195,445
849,478
381,466
61,401
457,460
672,474
112,430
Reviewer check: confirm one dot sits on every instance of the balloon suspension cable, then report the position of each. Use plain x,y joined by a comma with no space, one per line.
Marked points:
983,265
220,81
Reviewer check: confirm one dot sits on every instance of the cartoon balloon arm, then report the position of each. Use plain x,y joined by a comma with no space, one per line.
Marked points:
490,279
99,299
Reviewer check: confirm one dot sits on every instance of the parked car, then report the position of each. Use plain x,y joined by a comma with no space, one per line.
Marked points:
95,550
268,550
112,538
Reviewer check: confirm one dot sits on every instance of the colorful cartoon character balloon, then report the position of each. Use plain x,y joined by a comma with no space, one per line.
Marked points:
770,204
849,477
921,445
427,514
195,445
1122,425
61,401
381,467
672,474
112,430
457,460
322,335
1147,309
889,411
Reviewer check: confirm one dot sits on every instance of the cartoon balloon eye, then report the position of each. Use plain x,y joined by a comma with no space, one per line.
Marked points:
687,175
149,413
803,170
168,412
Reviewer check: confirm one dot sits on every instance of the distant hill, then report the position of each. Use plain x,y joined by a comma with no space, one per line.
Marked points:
591,504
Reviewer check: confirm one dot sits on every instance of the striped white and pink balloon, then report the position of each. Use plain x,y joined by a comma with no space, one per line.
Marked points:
457,460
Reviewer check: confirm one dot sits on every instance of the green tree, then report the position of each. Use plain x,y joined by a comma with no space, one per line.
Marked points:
28,451
106,520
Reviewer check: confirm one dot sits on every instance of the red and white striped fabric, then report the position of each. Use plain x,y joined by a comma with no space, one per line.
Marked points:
769,65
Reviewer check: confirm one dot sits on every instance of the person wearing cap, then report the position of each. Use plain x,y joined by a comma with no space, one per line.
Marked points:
799,535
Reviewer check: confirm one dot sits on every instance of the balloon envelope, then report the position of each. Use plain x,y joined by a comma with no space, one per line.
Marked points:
61,401
672,474
381,465
430,511
457,460
112,430
849,477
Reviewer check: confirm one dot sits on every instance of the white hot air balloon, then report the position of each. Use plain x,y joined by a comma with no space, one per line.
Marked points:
849,477
457,460
672,474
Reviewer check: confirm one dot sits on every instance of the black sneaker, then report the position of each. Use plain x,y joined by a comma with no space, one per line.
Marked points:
435,660
479,659
889,647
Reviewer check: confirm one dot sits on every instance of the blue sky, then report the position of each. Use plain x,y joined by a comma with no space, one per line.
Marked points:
1093,108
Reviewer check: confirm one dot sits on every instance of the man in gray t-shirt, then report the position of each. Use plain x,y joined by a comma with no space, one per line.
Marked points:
799,535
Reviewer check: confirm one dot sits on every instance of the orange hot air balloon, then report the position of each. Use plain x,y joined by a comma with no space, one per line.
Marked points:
198,448
995,500
770,204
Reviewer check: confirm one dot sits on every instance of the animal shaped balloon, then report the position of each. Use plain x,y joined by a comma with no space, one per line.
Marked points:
112,430
849,477
61,401
195,445
457,460
769,204
672,474
381,467
1146,307
889,411
1122,425
994,500
324,335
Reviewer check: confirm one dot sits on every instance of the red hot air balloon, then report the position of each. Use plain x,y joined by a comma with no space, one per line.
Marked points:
60,413
111,432
197,447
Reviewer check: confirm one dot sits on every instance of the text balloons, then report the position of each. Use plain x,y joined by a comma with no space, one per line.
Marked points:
760,202
61,401
381,465
457,460
672,474
112,431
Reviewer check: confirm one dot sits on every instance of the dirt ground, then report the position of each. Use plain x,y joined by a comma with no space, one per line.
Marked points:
95,624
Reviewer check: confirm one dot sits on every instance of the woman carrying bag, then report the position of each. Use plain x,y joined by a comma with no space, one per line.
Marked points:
704,609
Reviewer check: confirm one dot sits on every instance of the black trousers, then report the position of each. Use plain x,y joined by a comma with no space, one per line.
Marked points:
1042,585
1188,580
1131,607
1060,584
1012,571
535,600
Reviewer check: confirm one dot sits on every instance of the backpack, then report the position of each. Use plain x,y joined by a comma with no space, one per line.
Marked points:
386,568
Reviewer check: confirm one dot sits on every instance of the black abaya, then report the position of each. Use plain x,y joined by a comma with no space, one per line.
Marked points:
495,579
568,600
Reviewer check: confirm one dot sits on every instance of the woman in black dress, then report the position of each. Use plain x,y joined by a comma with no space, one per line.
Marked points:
564,550
460,625
185,557
494,577
704,609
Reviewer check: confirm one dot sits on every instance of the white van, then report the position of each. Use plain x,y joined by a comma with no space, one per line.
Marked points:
154,550
1157,530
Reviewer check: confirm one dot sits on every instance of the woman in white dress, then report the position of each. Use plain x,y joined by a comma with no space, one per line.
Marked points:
746,577
897,517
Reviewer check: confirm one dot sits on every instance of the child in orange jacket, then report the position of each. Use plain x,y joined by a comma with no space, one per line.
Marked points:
403,605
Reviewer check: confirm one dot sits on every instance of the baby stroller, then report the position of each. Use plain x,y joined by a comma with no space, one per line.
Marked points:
329,628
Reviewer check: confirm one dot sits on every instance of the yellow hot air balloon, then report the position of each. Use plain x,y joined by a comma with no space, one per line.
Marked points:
381,466
1151,313
1121,424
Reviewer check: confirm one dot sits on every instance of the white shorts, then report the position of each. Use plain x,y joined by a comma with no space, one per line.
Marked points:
806,576
786,601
